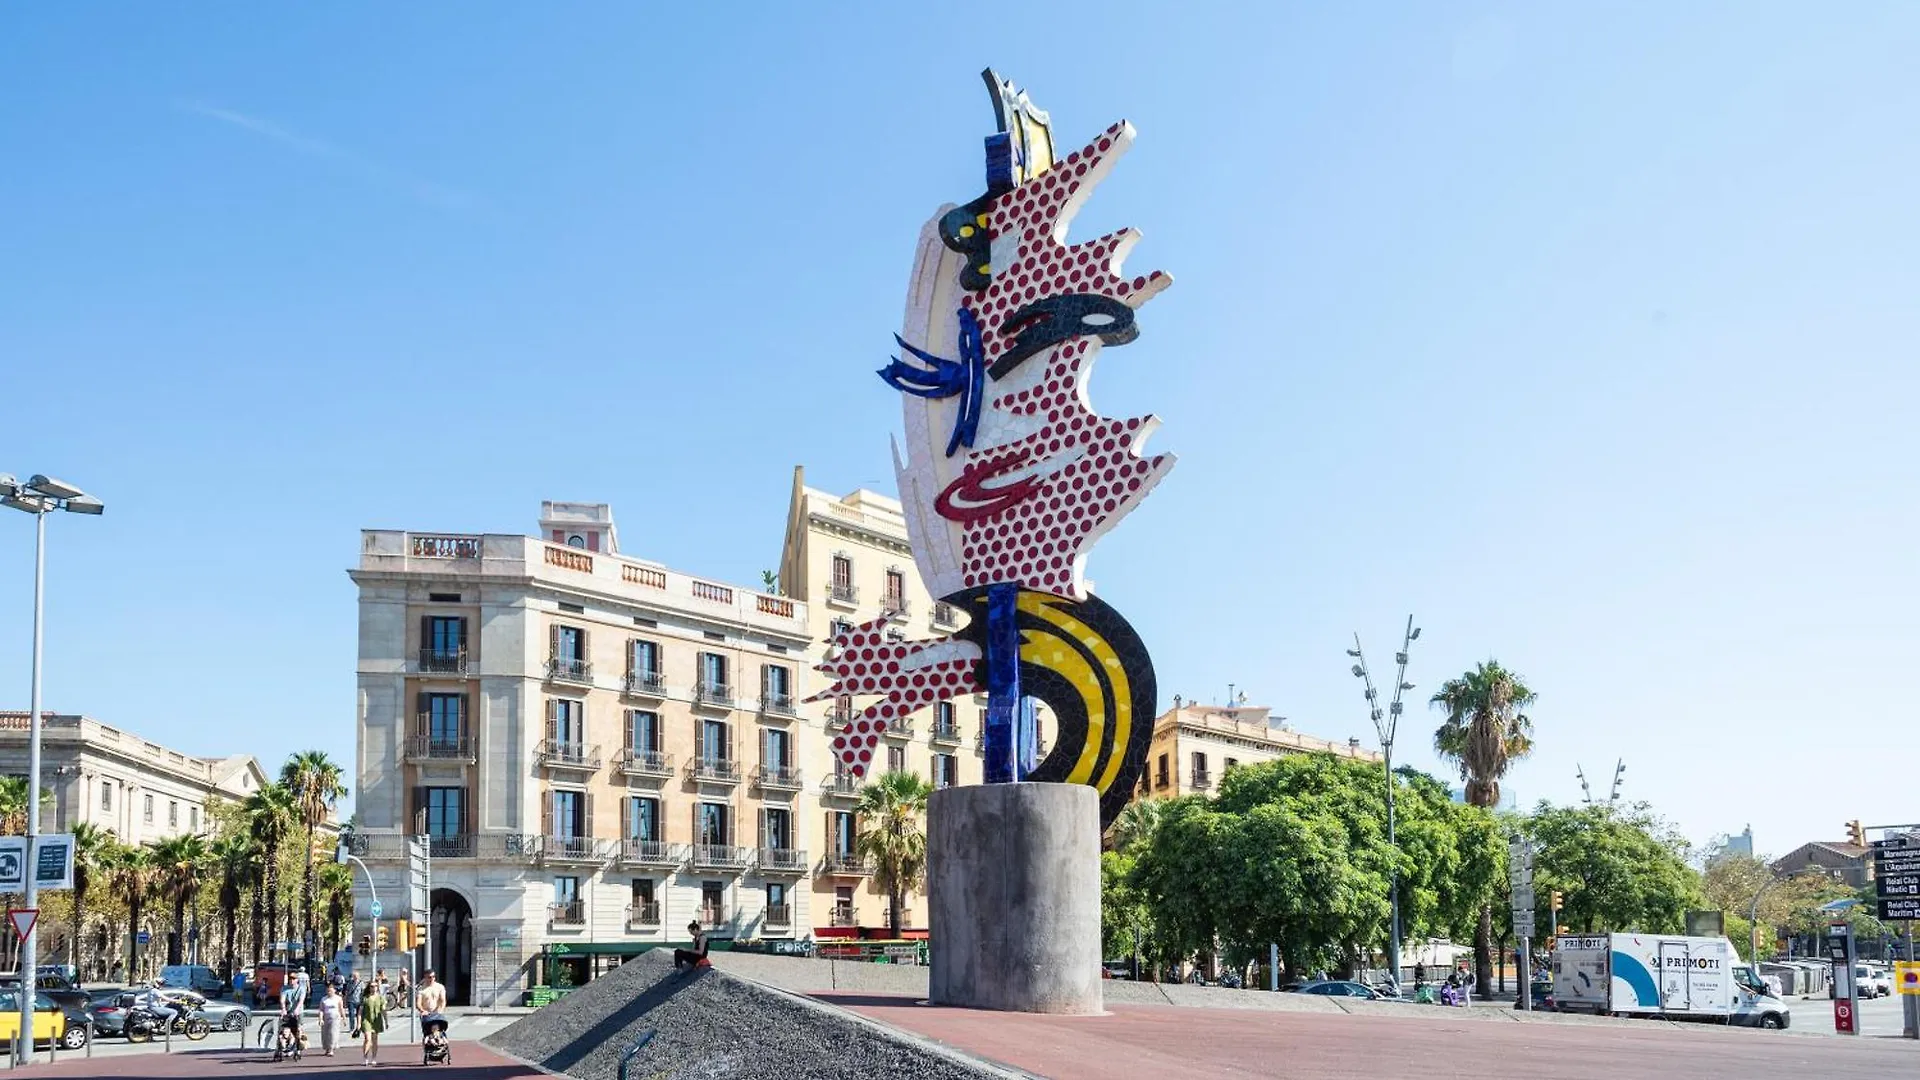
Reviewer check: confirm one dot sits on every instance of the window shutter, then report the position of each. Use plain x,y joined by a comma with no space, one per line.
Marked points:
553,721
697,838
419,810
466,715
464,827
421,720
766,680
586,828
426,632
584,651
626,818
553,642
546,813
626,734
763,827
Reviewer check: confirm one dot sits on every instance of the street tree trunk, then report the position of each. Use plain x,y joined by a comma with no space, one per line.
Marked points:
179,939
312,929
1483,952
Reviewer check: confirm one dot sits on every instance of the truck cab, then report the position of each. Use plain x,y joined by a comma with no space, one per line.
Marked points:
1754,1004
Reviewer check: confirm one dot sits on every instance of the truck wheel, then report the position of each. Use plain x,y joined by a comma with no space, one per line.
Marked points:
1771,1021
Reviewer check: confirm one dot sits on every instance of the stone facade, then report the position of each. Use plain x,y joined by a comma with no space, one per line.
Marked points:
1193,746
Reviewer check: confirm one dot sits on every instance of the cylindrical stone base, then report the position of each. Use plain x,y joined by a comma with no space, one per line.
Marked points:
1013,894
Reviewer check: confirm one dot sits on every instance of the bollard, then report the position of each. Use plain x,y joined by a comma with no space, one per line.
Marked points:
89,1036
169,1030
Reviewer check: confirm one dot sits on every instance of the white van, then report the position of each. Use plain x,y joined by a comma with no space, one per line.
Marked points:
1663,975
198,978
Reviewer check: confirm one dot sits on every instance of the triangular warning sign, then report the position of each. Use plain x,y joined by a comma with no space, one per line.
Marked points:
22,919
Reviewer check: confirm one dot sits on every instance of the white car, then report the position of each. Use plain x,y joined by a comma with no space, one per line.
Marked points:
1873,982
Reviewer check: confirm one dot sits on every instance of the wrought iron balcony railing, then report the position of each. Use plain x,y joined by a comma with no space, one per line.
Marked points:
715,770
848,595
443,661
439,748
777,704
567,755
570,671
713,695
777,778
570,849
775,860
946,731
848,864
637,852
843,916
645,913
567,913
643,763
779,915
720,857
645,684
945,614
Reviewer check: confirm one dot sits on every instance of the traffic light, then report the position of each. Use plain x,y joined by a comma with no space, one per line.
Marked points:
401,931
366,944
1558,900
1855,834
380,937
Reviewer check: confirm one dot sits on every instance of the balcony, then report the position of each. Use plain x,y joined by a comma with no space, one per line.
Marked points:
946,731
644,684
714,770
567,913
720,857
651,763
780,915
839,714
457,846
843,596
439,748
777,778
843,916
570,849
644,915
945,615
848,864
713,918
896,606
780,860
840,786
429,546
570,671
777,705
634,852
899,728
1202,780
443,661
713,696
567,755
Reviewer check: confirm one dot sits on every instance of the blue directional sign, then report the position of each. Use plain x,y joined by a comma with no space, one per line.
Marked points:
373,909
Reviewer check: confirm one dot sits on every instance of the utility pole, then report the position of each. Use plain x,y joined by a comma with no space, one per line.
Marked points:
1385,725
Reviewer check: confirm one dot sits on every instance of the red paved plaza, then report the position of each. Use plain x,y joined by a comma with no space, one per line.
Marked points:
472,1062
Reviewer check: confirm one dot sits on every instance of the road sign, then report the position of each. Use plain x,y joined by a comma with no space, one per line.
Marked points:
53,861
22,919
1899,907
1906,978
1898,884
1523,923
13,864
1523,898
142,937
373,910
1895,843
419,879
1843,1016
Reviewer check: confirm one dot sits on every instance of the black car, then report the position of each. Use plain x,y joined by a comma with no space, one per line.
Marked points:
54,986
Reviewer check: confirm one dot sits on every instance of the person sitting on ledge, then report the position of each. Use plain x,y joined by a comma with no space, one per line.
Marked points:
696,956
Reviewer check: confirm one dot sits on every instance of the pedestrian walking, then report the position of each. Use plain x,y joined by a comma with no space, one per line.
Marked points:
373,1021
351,994
332,1014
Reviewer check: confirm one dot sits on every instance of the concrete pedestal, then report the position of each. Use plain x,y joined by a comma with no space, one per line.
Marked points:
1013,893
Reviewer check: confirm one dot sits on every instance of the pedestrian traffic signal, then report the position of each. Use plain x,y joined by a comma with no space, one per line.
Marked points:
380,938
366,944
1558,900
1855,834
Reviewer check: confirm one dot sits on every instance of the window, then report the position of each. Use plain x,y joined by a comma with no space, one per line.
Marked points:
643,731
193,819
713,671
1160,774
713,904
446,811
572,609
642,891
644,659
896,590
776,897
446,719
776,750
566,890
106,794
842,577
843,905
1228,767
443,597
842,831
714,743
896,759
838,627
146,808
943,717
446,636
569,647
776,685
946,770
569,815
566,722
643,818
777,824
714,821
173,813
1199,767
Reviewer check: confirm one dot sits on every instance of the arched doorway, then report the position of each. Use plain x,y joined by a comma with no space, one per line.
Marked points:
450,945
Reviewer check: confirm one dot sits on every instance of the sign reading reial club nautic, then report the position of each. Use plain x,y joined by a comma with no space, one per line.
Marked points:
1896,877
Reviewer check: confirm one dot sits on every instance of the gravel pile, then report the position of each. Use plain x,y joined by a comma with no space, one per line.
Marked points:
710,1024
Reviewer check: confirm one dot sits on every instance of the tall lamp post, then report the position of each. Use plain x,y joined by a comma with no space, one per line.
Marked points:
39,496
1385,724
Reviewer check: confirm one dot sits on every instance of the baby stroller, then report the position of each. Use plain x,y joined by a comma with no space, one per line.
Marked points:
435,1048
290,1041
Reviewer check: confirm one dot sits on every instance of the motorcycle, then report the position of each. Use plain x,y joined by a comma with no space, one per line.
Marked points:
142,1026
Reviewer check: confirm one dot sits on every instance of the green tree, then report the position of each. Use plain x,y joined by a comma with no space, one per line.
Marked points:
93,854
178,863
316,784
891,835
133,874
273,815
235,859
1136,822
1620,869
1124,923
1484,732
336,890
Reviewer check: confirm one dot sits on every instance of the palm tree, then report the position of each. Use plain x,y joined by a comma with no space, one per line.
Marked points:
889,813
316,784
179,861
272,816
336,884
93,855
234,856
1136,823
1484,732
133,874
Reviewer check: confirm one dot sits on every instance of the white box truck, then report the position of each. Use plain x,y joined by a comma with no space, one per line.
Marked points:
1662,975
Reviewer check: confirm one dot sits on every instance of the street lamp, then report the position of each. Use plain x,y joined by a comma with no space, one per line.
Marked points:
39,496
1385,724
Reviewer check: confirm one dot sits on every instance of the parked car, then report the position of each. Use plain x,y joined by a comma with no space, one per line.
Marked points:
109,1012
1542,993
1873,981
49,1019
54,986
1343,988
219,1015
198,978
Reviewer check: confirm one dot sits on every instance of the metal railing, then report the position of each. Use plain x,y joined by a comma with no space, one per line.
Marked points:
848,864
719,857
645,913
567,755
719,695
713,918
777,704
652,852
439,748
648,683
456,846
779,860
643,762
573,671
843,916
843,594
570,848
946,731
443,661
778,777
779,915
840,785
896,607
718,770
567,913
1202,779
945,614
900,728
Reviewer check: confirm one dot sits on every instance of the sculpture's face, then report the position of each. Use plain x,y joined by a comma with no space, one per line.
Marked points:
1009,475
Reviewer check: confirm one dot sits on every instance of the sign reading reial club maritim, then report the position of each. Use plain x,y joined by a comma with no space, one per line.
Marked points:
1009,476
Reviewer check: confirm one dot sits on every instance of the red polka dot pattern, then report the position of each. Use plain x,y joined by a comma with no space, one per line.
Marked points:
867,663
1038,542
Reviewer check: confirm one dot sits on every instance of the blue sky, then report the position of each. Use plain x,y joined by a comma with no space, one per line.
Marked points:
1584,332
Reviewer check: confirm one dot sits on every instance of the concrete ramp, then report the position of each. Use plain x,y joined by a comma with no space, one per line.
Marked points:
711,1024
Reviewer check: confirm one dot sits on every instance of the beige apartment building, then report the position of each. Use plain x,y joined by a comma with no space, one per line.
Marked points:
114,779
600,748
1194,745
848,558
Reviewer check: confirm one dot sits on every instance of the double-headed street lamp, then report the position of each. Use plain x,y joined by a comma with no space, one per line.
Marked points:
39,496
1385,723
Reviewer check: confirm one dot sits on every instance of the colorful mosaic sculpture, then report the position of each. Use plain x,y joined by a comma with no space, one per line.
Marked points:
1009,476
